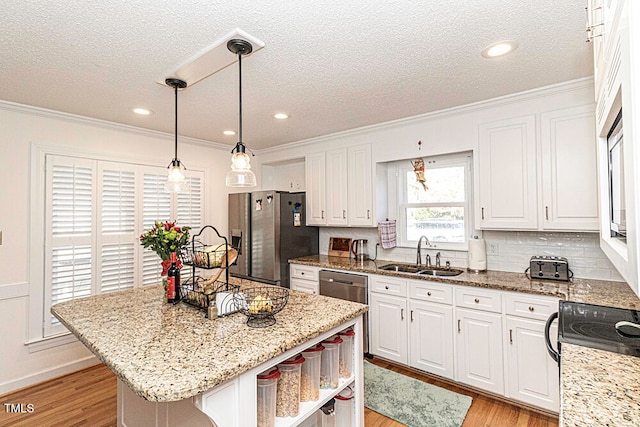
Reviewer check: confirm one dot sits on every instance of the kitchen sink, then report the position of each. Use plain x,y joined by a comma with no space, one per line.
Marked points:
439,272
419,269
402,268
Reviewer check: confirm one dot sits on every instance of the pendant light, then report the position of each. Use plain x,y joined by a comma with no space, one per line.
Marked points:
240,174
176,182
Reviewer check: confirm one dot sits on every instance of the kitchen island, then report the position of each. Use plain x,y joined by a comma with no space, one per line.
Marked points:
176,367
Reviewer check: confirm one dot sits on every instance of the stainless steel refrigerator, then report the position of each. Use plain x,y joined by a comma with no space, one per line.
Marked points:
268,228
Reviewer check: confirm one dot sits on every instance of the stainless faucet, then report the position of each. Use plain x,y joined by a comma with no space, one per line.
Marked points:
419,252
438,260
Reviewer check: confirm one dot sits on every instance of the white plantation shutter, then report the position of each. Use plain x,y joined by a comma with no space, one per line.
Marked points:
70,219
189,205
116,239
156,206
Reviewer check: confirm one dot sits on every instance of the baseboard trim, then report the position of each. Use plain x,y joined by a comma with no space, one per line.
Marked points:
48,374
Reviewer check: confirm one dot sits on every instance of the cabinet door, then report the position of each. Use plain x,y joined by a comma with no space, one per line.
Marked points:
315,174
507,174
533,376
479,350
360,197
431,338
388,327
337,187
569,171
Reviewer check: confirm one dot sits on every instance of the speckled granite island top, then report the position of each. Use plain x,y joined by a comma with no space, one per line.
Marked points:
167,353
602,292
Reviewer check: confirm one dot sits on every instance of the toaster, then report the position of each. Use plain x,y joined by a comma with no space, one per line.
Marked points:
549,268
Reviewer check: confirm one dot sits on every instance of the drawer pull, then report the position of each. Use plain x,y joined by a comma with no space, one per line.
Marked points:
322,215
531,308
302,273
458,325
428,294
477,300
402,314
411,313
368,214
344,214
386,287
510,336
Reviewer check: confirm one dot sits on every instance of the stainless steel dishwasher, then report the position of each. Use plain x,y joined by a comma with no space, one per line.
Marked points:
350,287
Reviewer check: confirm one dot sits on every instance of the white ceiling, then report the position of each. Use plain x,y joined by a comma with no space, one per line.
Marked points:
332,65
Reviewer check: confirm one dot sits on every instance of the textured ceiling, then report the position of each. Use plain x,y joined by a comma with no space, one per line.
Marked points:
332,65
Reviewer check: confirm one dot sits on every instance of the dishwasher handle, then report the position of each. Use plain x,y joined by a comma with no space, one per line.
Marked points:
346,282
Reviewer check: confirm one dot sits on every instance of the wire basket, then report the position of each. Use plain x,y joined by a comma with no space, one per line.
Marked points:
261,303
201,299
204,256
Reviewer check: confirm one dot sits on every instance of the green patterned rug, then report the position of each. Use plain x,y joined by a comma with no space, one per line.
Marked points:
410,401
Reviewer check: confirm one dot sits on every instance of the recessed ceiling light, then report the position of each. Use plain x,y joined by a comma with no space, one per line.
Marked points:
499,49
229,132
281,116
142,111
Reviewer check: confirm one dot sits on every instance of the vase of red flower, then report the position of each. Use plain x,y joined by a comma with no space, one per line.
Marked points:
164,238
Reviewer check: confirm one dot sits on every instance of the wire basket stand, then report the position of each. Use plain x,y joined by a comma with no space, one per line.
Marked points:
198,257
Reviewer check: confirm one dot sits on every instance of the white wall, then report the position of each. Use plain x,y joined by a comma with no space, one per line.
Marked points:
22,126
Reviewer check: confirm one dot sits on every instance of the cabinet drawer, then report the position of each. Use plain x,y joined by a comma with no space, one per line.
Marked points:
306,286
479,299
532,307
429,291
306,272
389,286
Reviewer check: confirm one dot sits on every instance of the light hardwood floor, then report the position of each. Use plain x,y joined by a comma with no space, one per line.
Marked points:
88,398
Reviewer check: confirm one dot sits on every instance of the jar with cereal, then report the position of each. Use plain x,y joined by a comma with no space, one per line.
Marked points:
329,371
288,390
346,353
310,377
266,398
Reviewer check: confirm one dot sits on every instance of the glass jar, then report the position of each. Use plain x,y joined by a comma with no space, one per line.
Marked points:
267,383
346,353
288,392
327,414
329,371
344,408
310,377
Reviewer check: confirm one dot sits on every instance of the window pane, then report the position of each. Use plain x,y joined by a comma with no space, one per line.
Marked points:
444,185
443,224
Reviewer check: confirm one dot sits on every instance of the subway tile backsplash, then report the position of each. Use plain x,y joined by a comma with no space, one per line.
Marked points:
506,250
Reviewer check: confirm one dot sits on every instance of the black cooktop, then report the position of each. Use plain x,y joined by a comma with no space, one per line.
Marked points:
596,326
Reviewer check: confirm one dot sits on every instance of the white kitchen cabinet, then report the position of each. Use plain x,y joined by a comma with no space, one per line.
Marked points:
479,359
339,186
305,278
315,183
507,174
569,171
533,376
388,327
360,197
431,338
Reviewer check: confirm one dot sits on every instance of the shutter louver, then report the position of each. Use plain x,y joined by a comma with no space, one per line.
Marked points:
189,208
118,202
117,271
70,274
72,200
156,207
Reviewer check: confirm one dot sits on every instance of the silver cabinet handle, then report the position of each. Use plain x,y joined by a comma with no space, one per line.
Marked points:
428,294
402,314
344,214
411,313
510,336
546,212
368,214
477,300
459,326
322,214
531,308
482,212
386,287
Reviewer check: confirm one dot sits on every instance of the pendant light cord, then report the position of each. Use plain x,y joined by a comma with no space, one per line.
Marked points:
240,96
176,123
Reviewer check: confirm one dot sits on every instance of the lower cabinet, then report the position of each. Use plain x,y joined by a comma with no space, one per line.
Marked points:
533,375
388,327
431,338
479,350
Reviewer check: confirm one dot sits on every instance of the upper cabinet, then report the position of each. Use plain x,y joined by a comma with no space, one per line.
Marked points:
339,187
569,171
507,174
544,182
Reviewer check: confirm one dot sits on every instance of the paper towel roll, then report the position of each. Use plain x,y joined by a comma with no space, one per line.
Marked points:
477,255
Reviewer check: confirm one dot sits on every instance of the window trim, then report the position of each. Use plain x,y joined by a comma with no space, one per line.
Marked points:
36,339
400,169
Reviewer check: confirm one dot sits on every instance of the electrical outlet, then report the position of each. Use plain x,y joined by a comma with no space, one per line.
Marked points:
492,248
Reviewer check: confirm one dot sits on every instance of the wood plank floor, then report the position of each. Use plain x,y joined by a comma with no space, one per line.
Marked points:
88,398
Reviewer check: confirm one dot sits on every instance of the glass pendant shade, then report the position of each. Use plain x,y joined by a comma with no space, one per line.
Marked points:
176,180
240,174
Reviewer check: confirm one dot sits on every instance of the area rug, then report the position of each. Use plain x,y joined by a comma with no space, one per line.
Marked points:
410,401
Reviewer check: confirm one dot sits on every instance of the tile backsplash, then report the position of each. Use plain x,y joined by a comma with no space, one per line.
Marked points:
506,250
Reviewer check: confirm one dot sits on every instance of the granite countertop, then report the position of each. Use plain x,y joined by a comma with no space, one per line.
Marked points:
591,291
167,352
597,388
